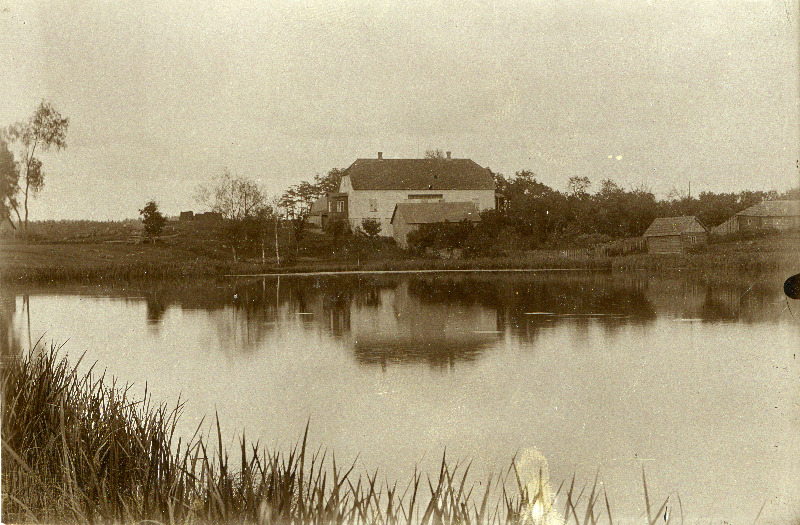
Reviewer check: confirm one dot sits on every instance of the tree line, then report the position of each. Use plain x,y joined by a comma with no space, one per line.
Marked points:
533,215
536,216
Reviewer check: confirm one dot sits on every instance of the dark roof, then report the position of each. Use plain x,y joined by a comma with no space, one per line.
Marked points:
319,206
674,226
773,209
419,174
432,212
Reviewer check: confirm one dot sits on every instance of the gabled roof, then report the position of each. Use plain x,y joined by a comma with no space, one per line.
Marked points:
432,212
773,209
419,174
320,205
674,226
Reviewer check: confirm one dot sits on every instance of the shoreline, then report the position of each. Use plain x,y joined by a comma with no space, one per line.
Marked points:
103,262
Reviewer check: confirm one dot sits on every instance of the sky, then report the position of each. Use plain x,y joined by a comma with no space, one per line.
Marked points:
162,96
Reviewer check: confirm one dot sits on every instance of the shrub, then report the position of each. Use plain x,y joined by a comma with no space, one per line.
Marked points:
371,227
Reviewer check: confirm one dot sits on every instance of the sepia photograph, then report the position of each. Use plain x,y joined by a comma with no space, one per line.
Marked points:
424,262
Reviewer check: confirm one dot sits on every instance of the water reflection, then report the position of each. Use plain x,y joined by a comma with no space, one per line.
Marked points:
435,319
593,369
10,344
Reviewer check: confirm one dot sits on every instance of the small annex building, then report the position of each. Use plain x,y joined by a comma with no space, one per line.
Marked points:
318,213
408,216
675,234
371,188
766,215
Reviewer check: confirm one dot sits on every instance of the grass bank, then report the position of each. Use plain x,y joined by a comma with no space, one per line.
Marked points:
78,448
190,251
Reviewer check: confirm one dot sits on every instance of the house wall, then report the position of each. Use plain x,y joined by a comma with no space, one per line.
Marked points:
360,203
728,227
689,239
401,229
748,224
664,244
760,223
334,204
675,243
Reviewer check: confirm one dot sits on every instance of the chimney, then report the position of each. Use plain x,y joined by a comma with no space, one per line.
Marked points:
380,155
448,156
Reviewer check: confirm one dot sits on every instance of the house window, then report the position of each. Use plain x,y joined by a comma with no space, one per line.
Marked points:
340,206
427,196
330,206
373,205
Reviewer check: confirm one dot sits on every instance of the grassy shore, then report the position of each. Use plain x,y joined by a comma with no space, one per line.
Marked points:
188,251
78,448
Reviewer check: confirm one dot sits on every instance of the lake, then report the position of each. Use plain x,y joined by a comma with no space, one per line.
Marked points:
599,374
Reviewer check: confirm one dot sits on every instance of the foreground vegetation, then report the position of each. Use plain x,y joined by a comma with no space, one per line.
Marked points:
78,448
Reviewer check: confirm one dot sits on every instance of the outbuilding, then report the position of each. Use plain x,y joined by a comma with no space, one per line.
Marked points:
675,234
408,216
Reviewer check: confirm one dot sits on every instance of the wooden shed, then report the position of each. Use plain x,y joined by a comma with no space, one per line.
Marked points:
675,234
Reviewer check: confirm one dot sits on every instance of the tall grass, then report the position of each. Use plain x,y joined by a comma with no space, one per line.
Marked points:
121,272
79,448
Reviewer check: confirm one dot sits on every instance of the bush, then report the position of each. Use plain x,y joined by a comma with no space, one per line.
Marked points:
371,227
440,236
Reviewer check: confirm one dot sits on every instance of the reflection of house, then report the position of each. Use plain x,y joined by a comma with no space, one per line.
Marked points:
674,234
370,188
409,216
775,215
405,329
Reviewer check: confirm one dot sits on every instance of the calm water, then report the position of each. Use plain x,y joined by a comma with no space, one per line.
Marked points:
699,383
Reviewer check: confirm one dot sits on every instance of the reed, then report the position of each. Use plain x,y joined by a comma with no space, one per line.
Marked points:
78,448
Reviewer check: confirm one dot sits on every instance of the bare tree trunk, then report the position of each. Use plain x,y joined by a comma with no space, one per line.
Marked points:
27,184
277,253
28,163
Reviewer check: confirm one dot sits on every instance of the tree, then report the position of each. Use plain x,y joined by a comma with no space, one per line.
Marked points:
371,227
328,183
152,219
243,206
578,186
9,184
435,154
44,130
337,228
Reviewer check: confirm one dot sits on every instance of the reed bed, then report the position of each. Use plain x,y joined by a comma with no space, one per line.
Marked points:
78,448
118,272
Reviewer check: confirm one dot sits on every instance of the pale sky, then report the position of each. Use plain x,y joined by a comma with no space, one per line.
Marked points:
162,96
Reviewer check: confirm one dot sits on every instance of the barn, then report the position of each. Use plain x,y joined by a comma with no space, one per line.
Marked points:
675,234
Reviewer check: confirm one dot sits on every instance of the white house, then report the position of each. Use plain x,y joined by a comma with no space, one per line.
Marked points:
371,188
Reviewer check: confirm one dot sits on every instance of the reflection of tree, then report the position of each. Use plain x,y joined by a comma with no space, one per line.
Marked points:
10,344
436,352
746,301
527,303
155,309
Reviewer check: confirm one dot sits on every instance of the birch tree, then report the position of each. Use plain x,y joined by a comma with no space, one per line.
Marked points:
46,129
